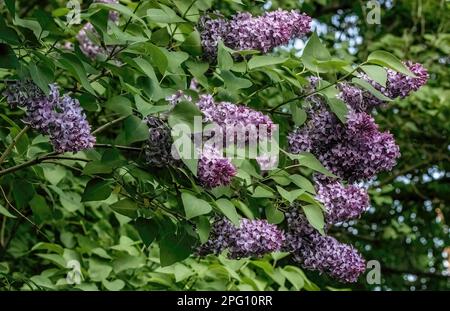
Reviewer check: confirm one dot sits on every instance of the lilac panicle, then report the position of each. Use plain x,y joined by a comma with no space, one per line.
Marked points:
398,85
157,148
253,238
245,32
354,151
61,118
213,169
233,116
342,203
321,253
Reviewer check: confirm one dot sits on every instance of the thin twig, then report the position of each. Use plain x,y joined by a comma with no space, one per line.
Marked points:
318,90
127,148
22,215
111,123
13,143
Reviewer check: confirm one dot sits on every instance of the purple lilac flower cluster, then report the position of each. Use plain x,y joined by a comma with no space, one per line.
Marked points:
355,151
253,238
398,85
61,118
213,169
90,48
234,117
245,32
342,203
157,148
321,253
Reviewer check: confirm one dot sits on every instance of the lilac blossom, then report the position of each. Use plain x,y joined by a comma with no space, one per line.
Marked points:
398,85
245,32
158,146
214,170
342,203
321,253
60,117
354,151
253,238
233,117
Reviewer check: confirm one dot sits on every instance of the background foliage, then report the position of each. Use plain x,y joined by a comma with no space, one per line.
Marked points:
48,218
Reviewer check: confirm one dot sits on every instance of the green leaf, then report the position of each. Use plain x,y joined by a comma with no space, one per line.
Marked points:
40,208
273,215
120,104
290,196
298,114
159,59
123,10
126,207
184,113
42,76
309,160
339,108
193,206
147,228
203,228
32,25
265,60
115,285
229,210
386,59
175,247
96,167
72,64
376,73
303,183
294,275
315,51
5,212
192,44
8,58
315,217
98,270
135,130
233,83
262,192
224,59
96,190
367,86
165,16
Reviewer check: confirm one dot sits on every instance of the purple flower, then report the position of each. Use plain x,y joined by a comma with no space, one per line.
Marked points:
342,203
245,32
321,253
253,238
354,151
61,118
398,85
87,46
213,169
231,117
358,99
157,148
